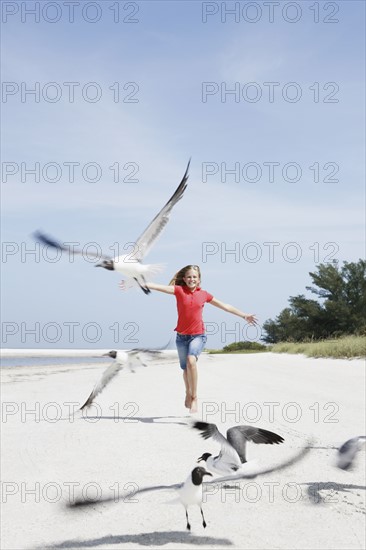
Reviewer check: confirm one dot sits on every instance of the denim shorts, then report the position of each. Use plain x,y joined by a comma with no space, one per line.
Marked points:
189,344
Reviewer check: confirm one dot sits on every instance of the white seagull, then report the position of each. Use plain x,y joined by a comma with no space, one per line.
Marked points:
131,264
190,492
122,359
242,474
347,452
232,455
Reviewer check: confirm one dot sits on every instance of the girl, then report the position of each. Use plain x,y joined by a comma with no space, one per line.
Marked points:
191,337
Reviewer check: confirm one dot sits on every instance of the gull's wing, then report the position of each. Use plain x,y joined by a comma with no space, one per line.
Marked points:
79,503
151,353
239,435
347,452
106,377
299,456
50,241
228,453
148,353
137,357
152,232
115,367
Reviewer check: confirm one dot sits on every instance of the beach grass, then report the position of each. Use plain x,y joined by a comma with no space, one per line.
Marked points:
218,351
345,347
338,348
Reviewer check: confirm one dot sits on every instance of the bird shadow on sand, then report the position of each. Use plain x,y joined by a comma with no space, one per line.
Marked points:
333,489
144,419
329,447
154,538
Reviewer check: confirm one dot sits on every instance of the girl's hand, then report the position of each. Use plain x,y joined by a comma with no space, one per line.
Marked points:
122,285
251,319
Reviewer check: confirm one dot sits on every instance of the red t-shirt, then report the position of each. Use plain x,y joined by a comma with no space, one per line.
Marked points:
190,308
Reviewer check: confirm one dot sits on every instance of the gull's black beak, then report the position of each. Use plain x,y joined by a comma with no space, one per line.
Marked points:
207,474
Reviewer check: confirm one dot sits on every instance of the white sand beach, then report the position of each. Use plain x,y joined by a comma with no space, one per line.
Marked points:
137,435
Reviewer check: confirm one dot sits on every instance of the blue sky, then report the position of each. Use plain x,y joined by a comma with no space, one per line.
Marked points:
172,70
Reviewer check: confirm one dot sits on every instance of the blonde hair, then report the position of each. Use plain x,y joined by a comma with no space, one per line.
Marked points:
178,277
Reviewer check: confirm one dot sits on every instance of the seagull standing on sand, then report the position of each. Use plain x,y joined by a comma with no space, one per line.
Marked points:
347,452
122,359
232,455
189,493
131,264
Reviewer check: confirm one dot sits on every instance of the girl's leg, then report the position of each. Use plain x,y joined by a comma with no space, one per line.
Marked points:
182,343
192,381
195,348
188,400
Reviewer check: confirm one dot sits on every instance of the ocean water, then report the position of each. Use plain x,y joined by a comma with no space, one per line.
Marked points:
24,361
37,358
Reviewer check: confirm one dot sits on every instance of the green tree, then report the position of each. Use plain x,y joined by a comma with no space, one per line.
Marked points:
341,308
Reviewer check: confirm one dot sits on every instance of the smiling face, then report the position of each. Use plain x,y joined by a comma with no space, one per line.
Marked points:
192,279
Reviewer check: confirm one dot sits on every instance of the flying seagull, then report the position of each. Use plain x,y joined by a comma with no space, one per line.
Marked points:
190,492
131,264
241,474
129,359
347,452
232,455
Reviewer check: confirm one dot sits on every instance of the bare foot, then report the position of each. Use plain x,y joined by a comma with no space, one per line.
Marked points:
188,401
193,408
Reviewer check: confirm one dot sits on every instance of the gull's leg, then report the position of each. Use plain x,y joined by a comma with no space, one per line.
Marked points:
188,524
145,290
203,518
145,285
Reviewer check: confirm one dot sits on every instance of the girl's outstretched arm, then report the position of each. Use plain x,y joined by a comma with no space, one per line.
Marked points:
249,317
168,289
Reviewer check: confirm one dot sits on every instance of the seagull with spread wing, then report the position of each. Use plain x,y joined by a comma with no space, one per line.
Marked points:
122,359
232,456
131,265
190,492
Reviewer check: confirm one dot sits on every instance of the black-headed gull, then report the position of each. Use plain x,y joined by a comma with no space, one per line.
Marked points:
191,491
131,264
188,493
232,455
